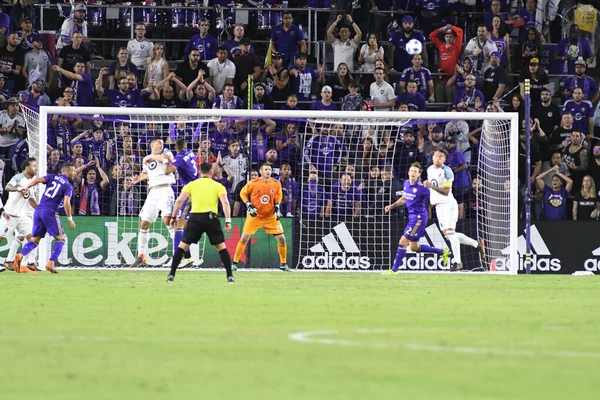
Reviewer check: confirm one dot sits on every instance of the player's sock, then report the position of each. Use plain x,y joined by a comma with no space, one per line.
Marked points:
239,250
282,250
177,239
15,243
143,241
454,246
226,260
464,239
187,255
28,248
1,177
171,232
400,254
177,256
31,257
428,249
56,250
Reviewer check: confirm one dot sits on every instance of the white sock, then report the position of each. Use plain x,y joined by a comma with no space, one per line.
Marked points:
14,247
31,257
2,176
454,246
464,239
171,232
143,237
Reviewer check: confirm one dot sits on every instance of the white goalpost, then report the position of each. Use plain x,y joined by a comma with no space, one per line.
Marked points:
345,165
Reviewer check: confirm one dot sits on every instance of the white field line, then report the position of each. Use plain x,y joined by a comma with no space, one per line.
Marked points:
326,337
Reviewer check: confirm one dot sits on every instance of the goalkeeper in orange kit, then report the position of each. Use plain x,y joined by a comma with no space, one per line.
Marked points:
262,197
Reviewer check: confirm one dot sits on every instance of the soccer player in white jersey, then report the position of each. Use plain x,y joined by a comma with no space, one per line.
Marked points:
19,210
439,180
160,197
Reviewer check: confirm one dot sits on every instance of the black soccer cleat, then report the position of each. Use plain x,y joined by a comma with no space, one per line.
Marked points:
230,279
140,260
481,249
456,266
170,278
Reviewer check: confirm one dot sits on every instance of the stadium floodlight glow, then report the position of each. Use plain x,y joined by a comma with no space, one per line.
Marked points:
497,168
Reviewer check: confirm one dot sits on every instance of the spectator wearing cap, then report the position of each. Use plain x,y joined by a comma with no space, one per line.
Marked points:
4,94
37,60
570,49
12,126
34,96
11,63
261,100
26,42
402,59
430,13
81,84
73,53
352,101
449,55
233,45
276,78
582,111
203,41
382,93
301,80
246,64
408,152
480,48
470,99
495,7
580,80
421,75
546,112
538,78
187,70
344,47
495,78
288,39
326,102
413,99
140,48
74,23
222,70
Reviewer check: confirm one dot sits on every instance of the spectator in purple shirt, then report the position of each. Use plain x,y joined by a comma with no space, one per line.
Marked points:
344,199
203,41
81,82
326,102
122,97
233,45
461,186
571,48
199,93
555,197
288,145
313,198
290,191
120,68
219,137
34,97
414,100
400,39
288,39
301,79
492,12
421,76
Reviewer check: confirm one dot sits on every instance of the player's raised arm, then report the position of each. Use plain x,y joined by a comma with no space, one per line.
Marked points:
226,210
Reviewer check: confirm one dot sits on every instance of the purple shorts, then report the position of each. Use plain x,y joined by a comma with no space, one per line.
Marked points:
415,228
46,221
184,211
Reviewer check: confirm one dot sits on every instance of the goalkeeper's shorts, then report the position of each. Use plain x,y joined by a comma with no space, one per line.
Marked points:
270,224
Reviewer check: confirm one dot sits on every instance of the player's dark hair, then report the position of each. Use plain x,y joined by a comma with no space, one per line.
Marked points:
443,151
66,166
233,141
417,165
154,139
206,168
180,145
27,162
285,163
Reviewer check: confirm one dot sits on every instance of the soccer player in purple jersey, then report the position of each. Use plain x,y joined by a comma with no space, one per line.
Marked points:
415,197
59,191
185,163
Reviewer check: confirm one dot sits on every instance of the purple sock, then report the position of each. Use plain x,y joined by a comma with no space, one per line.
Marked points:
56,250
400,253
28,248
429,249
177,239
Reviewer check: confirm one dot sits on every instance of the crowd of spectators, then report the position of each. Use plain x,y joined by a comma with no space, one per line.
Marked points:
468,63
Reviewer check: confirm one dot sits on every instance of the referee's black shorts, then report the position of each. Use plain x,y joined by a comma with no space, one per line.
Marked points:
200,223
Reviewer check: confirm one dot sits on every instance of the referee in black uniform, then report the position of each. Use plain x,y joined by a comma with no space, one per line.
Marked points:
204,194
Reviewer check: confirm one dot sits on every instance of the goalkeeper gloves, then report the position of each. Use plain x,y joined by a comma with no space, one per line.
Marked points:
277,212
251,209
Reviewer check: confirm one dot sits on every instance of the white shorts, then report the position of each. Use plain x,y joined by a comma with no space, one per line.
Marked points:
18,225
158,200
447,215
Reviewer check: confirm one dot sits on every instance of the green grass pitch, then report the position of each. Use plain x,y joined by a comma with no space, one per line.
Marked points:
129,335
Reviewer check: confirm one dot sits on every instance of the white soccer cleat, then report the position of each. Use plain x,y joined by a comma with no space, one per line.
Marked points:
186,262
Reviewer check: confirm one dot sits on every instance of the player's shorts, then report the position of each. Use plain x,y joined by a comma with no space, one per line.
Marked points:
18,225
447,215
44,222
270,224
200,223
159,200
415,228
185,210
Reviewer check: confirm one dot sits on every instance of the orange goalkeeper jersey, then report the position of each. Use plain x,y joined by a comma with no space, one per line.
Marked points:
263,195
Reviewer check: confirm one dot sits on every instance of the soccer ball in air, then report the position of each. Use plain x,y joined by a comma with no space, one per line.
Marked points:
414,47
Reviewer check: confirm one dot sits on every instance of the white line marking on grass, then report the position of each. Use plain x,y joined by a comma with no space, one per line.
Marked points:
325,337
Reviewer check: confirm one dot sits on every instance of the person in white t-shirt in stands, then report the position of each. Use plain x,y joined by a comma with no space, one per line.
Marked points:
382,93
222,70
344,47
140,48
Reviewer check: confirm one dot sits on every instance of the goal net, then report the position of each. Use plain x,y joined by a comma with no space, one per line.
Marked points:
338,171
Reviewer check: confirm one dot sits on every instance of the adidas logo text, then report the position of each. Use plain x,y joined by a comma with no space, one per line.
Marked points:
332,256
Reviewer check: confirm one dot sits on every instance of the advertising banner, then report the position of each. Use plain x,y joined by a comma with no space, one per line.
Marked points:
112,242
